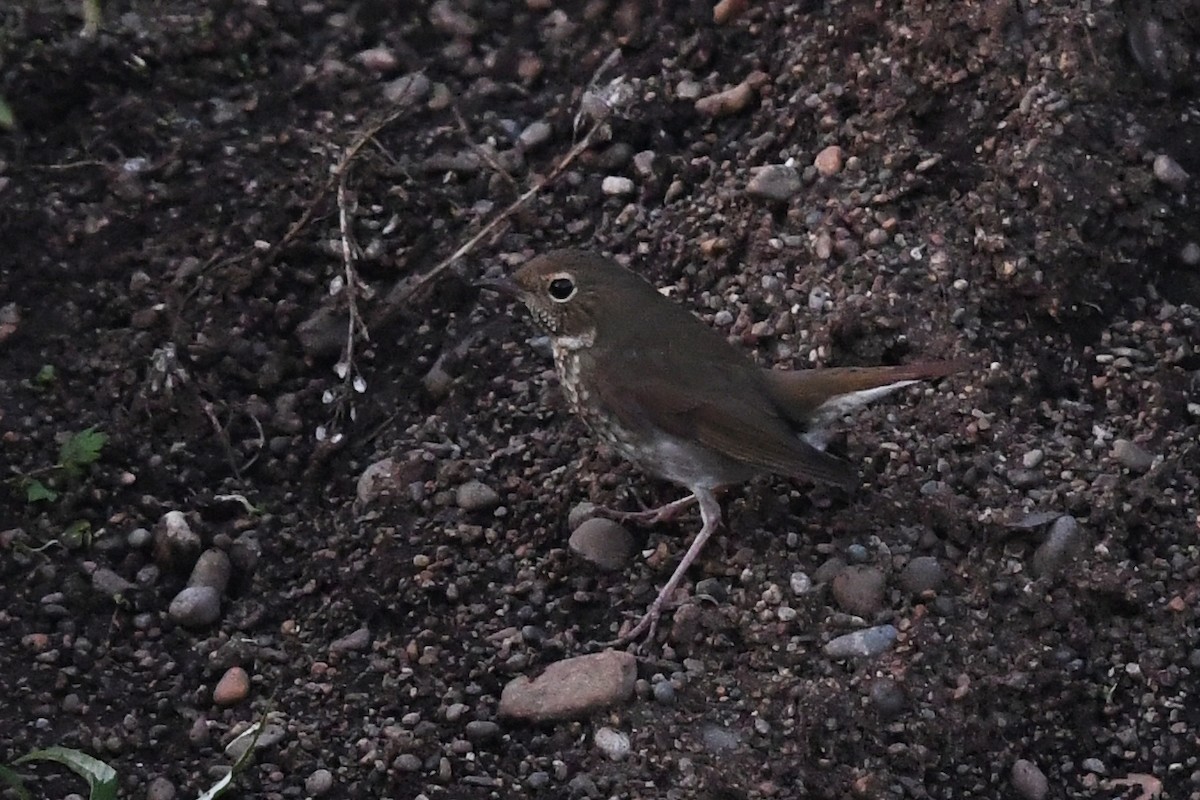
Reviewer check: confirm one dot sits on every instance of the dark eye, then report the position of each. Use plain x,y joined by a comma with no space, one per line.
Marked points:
561,289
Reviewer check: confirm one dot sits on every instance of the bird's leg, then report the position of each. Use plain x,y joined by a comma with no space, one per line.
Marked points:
710,515
649,516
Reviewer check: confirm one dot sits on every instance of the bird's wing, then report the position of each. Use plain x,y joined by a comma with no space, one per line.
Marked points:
722,406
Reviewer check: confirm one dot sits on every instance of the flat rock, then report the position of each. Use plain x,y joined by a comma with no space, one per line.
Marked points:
776,182
572,688
476,496
859,590
862,644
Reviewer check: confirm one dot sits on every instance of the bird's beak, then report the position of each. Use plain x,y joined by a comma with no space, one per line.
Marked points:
505,286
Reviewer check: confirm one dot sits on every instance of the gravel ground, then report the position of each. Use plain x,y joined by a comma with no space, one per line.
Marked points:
337,496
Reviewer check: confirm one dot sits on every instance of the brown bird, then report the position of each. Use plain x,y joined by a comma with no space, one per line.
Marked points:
674,397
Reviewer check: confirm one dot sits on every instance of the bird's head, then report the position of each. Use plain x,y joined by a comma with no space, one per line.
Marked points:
566,290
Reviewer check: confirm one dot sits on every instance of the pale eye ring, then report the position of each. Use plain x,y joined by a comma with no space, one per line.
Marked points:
561,289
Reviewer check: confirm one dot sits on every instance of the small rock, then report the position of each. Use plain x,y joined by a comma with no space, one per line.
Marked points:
377,59
729,101
476,496
1132,456
407,762
232,688
1168,171
407,90
664,693
719,739
862,644
829,570
1032,458
318,783
379,482
616,185
109,583
859,590
1190,255
196,606
271,735
887,697
829,161
800,583
922,574
775,182
1029,781
175,544
580,513
1060,546
438,381
643,163
602,542
535,135
139,538
450,19
352,642
213,570
612,743
482,730
571,689
160,789
726,11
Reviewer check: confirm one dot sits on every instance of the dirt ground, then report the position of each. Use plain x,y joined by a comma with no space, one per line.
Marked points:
1018,183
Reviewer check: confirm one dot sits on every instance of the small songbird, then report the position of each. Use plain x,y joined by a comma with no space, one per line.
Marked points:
678,400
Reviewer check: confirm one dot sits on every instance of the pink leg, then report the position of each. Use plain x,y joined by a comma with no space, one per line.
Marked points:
710,514
650,516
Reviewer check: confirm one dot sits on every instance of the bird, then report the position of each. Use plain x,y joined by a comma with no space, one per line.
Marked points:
673,396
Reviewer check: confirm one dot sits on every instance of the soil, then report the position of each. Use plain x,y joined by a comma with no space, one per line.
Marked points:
1017,183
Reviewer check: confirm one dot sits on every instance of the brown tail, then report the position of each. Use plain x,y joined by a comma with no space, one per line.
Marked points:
801,394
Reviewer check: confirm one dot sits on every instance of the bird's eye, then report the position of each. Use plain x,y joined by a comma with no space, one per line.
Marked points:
561,289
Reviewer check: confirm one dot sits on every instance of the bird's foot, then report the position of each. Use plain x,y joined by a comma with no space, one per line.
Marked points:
644,629
649,516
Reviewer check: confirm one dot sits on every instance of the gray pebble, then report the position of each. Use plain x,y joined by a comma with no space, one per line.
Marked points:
481,730
352,642
407,89
617,185
582,785
212,569
580,513
1032,458
643,163
196,606
109,583
800,583
613,743
922,574
887,697
857,554
1132,456
775,182
407,762
1168,171
476,496
719,739
139,538
664,693
829,570
859,590
862,644
1094,765
1029,781
538,780
1064,541
1190,254
602,542
319,782
535,134
160,789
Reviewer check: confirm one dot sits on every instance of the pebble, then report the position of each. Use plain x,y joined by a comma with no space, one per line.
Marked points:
580,513
719,739
617,185
160,789
612,743
1029,781
195,607
213,570
319,782
481,730
1190,254
538,780
1032,458
476,496
407,762
1168,171
922,574
829,161
800,583
829,570
865,643
232,688
109,583
176,545
377,59
1061,545
535,134
572,688
887,697
139,538
407,90
664,692
724,103
380,481
1094,765
859,590
358,640
775,182
643,163
602,542
1132,456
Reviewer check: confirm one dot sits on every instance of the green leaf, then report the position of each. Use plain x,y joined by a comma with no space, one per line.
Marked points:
81,449
15,783
77,534
101,778
36,492
46,375
8,120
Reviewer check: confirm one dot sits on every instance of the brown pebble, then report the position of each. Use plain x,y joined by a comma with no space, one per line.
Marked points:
829,161
730,101
232,688
727,11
